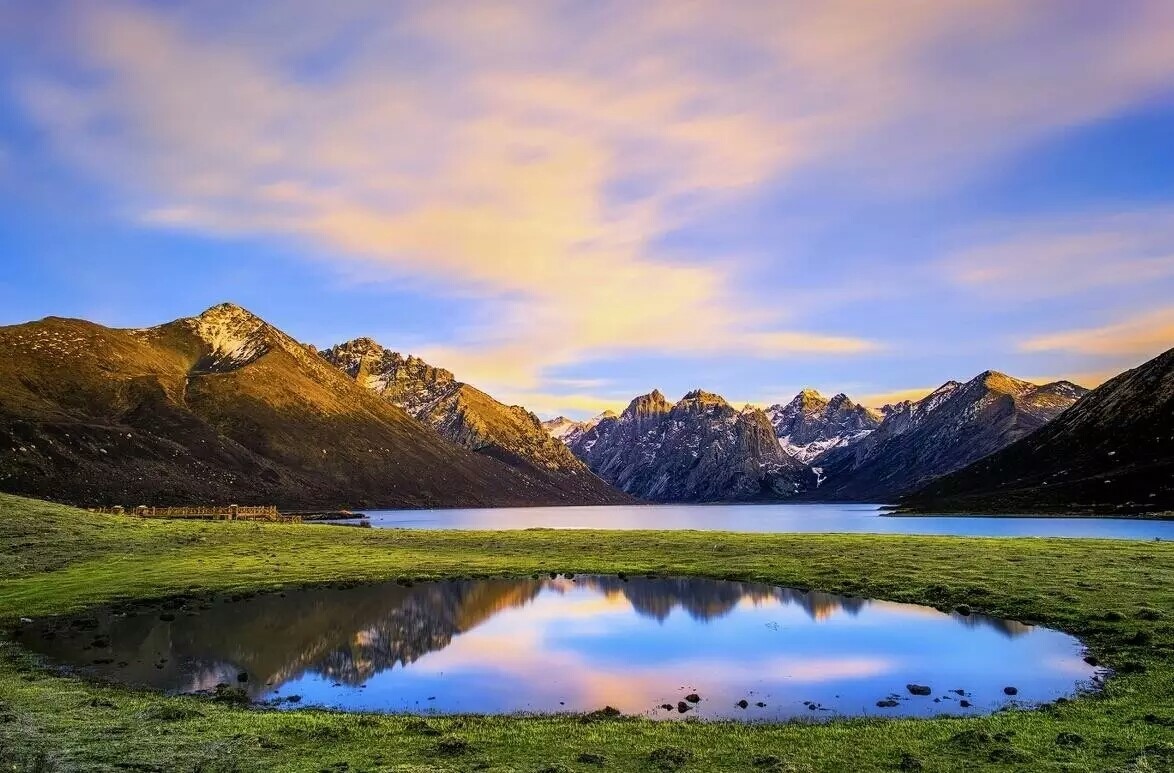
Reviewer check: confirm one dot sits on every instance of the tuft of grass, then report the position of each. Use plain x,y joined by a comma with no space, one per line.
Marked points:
55,559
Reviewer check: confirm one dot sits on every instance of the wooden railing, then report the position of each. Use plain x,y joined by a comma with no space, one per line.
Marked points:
215,513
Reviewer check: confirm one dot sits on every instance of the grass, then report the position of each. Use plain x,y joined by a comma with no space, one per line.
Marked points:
1117,596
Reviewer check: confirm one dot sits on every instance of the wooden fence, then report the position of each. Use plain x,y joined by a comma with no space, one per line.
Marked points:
214,513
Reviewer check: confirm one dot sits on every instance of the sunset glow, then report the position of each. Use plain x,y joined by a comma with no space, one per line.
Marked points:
570,204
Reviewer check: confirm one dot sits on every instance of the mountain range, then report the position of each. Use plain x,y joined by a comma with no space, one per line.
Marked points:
956,424
824,449
811,425
467,416
224,407
1111,452
698,449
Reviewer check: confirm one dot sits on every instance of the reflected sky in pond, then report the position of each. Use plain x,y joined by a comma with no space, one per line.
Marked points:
574,644
766,518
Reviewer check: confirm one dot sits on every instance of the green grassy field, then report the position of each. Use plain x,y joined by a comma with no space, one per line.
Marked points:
1117,596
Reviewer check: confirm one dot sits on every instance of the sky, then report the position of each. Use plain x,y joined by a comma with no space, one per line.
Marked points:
568,204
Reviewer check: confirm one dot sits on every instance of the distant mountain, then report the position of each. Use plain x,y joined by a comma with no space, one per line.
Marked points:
222,408
699,450
467,416
953,426
566,430
811,424
1112,451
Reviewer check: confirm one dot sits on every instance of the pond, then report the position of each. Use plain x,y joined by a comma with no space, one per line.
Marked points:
773,518
660,647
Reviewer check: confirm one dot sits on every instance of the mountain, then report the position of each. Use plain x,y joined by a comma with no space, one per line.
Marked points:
566,430
1113,451
699,450
953,426
467,416
219,408
811,424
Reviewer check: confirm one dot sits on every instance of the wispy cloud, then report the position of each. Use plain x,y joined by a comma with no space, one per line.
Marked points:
1058,257
498,154
1146,334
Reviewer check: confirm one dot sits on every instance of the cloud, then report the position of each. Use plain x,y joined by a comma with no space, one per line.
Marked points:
1146,334
577,404
500,156
881,399
1061,257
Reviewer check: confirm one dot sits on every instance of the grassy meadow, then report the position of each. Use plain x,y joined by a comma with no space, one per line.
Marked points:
1117,596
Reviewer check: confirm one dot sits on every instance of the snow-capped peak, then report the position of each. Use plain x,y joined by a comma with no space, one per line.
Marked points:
234,335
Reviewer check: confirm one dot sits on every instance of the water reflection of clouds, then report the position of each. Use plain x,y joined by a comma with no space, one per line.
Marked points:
543,644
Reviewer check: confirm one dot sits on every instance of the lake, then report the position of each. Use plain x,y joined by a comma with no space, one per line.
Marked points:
776,518
659,647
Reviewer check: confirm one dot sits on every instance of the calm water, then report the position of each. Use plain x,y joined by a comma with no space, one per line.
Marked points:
766,518
575,644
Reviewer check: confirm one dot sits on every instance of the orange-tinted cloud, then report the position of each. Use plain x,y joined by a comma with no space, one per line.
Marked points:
502,154
1143,335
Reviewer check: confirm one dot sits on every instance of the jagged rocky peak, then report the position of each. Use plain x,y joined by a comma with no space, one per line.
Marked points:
234,335
1067,388
809,400
701,449
383,370
567,430
650,405
1001,382
700,400
810,424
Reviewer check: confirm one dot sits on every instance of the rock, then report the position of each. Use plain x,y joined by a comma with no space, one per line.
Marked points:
964,704
918,689
760,705
693,697
1092,660
887,703
683,707
667,706
742,703
962,609
1010,690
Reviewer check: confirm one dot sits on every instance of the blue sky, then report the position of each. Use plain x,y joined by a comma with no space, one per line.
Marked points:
570,204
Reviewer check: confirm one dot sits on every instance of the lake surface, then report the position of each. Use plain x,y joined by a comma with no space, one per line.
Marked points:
574,643
766,518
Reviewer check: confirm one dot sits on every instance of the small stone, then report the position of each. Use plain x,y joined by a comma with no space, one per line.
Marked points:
964,704
693,697
683,707
918,689
1010,690
887,703
742,703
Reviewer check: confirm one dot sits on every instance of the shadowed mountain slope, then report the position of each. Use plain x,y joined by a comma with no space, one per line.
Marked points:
1111,452
469,417
955,425
699,450
811,425
222,407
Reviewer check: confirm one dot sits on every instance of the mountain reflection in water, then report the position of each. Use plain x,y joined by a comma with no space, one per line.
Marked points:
347,636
